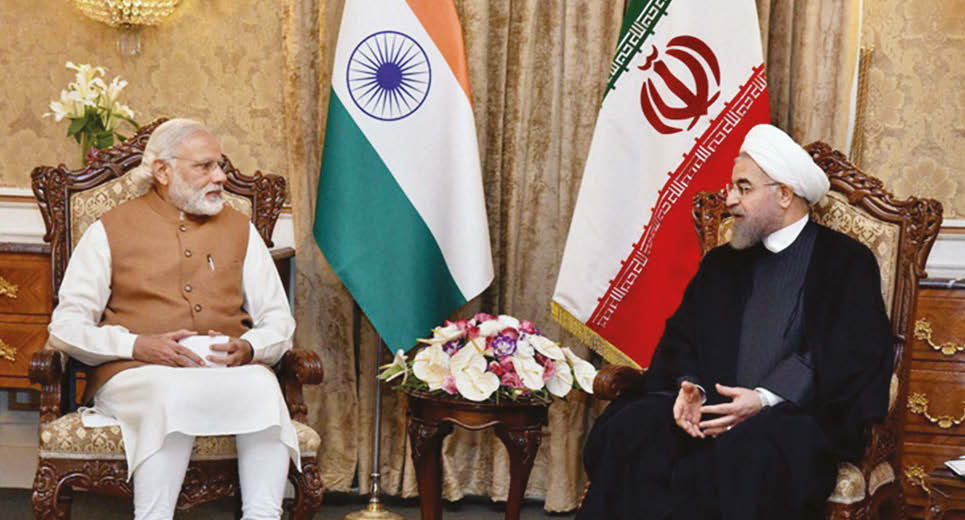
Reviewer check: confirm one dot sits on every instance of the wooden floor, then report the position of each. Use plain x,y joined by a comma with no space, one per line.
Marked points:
15,505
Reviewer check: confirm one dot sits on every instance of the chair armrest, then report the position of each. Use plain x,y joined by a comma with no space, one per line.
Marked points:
613,380
47,370
297,368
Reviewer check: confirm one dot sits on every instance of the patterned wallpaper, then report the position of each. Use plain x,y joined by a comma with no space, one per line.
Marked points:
915,118
219,61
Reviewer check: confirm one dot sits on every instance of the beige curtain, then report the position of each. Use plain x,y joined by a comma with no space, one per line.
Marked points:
537,70
810,47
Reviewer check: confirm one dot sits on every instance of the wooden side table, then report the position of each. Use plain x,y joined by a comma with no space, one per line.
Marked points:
946,493
430,419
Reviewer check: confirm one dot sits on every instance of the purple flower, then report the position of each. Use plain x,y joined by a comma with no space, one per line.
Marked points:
451,347
503,345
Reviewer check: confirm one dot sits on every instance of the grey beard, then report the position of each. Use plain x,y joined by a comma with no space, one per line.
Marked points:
747,233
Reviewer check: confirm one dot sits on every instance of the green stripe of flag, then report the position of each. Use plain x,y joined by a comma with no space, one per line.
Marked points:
638,24
375,240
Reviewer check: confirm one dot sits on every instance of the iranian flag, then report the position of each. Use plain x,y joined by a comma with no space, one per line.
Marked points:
686,84
400,215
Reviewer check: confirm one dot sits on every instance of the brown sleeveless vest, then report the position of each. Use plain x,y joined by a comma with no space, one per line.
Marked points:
170,272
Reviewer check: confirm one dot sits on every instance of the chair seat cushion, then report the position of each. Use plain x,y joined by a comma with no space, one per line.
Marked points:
850,487
67,437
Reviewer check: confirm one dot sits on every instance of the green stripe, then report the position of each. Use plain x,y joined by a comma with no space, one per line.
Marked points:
375,240
638,25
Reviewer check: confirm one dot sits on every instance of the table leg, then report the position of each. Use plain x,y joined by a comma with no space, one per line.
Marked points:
426,439
522,446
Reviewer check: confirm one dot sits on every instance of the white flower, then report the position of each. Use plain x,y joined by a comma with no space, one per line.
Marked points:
58,110
469,370
508,321
562,381
114,89
546,347
490,328
479,343
442,335
582,369
530,372
431,365
524,346
397,368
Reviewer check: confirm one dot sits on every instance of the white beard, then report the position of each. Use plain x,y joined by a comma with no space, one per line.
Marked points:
194,202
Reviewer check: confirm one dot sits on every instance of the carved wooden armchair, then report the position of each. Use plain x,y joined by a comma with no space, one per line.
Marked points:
900,233
74,457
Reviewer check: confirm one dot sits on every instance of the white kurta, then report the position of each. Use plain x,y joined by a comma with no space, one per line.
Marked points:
152,401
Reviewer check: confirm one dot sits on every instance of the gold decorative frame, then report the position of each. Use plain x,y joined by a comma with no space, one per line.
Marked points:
923,332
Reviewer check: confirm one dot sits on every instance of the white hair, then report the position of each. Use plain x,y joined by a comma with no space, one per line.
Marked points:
165,138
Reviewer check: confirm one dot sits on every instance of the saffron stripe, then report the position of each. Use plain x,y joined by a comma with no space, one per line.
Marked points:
440,19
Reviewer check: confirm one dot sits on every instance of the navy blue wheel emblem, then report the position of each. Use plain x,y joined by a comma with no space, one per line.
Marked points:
388,75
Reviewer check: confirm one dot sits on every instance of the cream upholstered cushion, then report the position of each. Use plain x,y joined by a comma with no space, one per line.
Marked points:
88,206
850,487
881,475
67,437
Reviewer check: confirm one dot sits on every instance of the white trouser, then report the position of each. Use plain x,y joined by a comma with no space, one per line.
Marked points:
262,471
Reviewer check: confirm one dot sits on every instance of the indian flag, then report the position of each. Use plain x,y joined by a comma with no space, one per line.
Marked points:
686,84
400,214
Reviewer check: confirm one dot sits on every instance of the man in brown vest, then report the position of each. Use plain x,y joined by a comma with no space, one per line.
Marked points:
171,269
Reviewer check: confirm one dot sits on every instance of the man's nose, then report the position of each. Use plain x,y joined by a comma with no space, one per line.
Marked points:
218,175
732,199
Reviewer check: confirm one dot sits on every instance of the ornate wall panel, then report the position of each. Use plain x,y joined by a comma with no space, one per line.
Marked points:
220,61
915,120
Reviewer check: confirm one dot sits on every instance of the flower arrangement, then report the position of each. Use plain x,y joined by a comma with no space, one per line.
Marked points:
491,358
93,109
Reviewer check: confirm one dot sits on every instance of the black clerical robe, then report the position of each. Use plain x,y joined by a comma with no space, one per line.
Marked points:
780,463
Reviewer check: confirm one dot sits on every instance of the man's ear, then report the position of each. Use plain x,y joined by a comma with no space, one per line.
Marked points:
162,172
786,195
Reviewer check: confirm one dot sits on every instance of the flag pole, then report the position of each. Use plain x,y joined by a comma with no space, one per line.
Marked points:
375,510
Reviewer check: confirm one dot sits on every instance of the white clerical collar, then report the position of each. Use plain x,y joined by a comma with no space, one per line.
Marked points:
780,239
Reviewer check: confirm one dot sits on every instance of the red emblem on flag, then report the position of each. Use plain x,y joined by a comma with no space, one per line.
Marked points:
697,57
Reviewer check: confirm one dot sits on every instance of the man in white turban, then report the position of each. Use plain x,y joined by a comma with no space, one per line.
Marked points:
778,357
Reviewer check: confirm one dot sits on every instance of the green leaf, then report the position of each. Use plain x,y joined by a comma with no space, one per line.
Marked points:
104,140
76,125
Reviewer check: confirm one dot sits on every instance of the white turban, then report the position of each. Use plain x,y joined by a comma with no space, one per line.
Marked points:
786,162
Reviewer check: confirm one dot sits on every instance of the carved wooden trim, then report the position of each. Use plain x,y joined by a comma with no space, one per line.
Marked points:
308,490
709,209
525,442
423,436
298,368
613,380
204,482
53,188
47,369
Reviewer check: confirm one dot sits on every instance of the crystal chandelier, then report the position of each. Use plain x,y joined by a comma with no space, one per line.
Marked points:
129,15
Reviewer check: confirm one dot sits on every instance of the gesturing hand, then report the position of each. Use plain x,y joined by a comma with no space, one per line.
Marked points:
745,403
163,349
237,351
686,409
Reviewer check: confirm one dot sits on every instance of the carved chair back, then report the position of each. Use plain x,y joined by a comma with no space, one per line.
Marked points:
72,200
900,233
